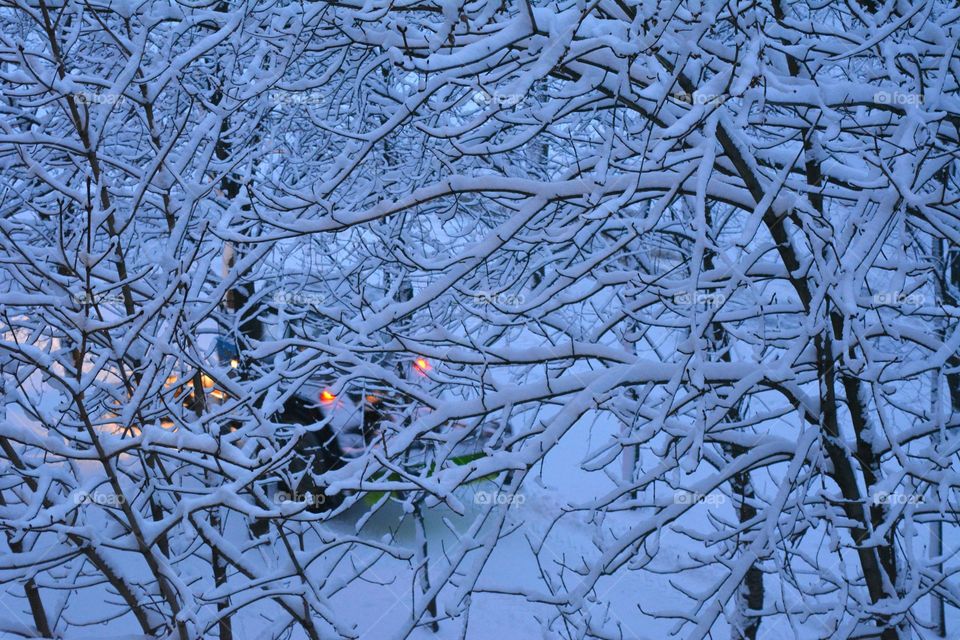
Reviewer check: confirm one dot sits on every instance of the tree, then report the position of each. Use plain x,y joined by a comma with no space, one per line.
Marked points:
719,234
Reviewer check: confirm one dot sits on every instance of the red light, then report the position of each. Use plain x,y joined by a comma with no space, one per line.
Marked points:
422,366
327,397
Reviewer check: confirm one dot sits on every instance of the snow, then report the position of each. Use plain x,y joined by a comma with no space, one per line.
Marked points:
581,320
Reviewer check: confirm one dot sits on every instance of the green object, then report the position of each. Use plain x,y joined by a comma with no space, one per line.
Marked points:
373,497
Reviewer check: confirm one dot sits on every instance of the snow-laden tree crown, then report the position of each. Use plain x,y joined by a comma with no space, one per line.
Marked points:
479,319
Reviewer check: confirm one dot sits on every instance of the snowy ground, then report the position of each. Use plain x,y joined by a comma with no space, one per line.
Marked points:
379,606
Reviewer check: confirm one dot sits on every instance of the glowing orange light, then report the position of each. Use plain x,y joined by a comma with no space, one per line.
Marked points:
207,381
327,397
373,399
421,365
170,380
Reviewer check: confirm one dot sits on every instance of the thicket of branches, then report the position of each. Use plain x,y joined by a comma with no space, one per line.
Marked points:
730,228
